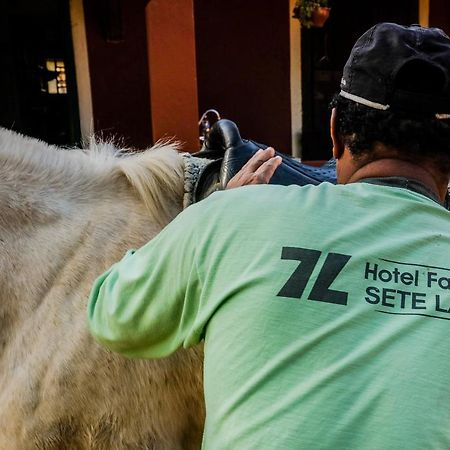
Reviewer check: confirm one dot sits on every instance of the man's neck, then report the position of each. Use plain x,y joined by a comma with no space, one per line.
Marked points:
392,167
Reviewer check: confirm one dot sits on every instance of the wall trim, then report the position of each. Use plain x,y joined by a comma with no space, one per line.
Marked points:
82,72
296,82
424,13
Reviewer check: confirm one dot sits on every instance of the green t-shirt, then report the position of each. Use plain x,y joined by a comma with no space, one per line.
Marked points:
325,312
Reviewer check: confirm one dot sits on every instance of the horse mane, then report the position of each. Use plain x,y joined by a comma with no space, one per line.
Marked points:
156,174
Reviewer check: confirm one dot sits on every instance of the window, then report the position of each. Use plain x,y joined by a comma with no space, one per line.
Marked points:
56,77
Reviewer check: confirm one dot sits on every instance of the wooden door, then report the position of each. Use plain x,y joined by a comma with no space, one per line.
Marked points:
37,81
324,53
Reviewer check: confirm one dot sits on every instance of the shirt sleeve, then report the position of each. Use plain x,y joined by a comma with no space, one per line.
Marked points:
146,305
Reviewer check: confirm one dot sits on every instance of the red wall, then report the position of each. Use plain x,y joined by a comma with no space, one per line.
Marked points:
243,67
119,74
171,49
440,14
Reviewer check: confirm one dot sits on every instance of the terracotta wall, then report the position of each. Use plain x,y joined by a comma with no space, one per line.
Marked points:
232,56
171,47
119,72
243,66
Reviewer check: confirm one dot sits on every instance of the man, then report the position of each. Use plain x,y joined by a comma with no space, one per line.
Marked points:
325,310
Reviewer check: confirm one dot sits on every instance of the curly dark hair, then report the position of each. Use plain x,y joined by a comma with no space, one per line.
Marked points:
415,137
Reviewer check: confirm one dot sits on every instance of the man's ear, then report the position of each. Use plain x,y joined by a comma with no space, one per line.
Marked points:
338,145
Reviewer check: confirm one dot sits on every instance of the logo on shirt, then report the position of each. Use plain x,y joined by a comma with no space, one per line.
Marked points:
397,287
329,271
393,287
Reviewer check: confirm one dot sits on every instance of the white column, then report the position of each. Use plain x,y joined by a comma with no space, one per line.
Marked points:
424,13
82,69
296,81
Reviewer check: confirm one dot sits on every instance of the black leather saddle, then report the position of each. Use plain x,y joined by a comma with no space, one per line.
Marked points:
230,152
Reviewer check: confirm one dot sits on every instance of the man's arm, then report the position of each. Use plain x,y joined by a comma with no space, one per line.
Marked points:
146,305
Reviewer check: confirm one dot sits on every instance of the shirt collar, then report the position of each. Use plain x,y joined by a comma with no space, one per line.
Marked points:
405,183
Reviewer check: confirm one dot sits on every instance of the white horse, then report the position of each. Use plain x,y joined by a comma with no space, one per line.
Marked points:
65,217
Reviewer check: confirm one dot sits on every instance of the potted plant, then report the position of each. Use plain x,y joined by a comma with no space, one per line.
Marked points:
311,13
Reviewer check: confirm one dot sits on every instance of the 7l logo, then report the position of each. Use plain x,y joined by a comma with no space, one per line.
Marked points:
320,291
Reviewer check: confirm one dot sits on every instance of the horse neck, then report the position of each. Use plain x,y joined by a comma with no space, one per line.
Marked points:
58,233
49,265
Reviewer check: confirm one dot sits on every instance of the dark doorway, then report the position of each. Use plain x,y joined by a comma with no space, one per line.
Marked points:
37,80
324,53
243,66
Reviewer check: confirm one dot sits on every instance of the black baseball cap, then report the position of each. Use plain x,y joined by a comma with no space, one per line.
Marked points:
400,68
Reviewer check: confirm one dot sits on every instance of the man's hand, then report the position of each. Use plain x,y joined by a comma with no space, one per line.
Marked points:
259,169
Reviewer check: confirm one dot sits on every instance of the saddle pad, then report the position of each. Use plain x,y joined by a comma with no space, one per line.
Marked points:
193,167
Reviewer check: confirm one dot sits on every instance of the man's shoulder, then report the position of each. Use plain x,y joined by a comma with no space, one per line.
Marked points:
266,196
267,190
